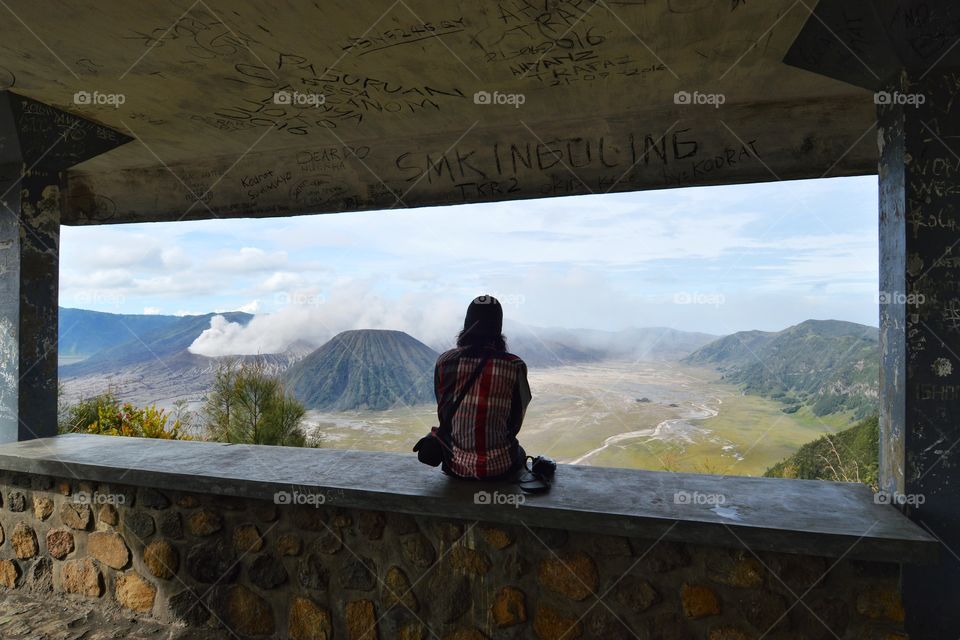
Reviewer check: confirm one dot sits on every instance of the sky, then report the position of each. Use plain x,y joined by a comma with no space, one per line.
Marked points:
709,259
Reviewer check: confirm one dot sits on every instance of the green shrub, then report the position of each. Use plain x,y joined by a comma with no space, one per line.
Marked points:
106,415
851,455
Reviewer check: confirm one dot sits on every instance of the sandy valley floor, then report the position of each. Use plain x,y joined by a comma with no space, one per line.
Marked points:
592,414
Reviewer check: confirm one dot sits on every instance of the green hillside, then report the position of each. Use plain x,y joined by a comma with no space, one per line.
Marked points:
156,345
364,369
829,366
847,456
83,333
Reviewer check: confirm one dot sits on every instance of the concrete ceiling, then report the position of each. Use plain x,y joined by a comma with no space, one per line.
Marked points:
398,124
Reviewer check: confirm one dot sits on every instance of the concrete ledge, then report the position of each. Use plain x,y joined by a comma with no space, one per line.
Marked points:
792,516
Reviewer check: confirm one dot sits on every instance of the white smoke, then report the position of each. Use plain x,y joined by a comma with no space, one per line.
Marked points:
314,319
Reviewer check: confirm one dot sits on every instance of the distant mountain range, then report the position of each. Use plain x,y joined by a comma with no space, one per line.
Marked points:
824,364
84,333
550,347
364,369
827,365
146,362
131,346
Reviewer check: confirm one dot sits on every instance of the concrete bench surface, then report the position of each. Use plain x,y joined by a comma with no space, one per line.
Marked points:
794,516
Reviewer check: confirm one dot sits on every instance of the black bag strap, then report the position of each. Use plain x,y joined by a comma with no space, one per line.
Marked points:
445,426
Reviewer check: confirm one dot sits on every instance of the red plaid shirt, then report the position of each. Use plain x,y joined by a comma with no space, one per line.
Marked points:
485,426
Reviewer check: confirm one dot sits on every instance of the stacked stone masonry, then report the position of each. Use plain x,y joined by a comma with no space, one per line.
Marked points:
303,572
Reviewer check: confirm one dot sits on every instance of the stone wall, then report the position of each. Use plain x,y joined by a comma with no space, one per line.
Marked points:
308,572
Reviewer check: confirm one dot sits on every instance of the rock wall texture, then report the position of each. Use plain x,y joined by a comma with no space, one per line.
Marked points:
305,572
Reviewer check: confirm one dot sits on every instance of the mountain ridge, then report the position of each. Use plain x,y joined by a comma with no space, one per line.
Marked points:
553,346
83,333
155,344
364,369
828,365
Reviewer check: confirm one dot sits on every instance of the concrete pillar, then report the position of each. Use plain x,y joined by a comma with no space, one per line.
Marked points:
37,144
29,255
904,53
919,128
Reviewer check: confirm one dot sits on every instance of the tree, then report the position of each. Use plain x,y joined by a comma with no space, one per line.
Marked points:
181,413
248,405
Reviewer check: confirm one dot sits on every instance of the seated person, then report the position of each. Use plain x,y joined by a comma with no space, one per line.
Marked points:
483,391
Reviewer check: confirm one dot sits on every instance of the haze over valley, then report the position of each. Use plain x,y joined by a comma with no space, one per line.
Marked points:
652,398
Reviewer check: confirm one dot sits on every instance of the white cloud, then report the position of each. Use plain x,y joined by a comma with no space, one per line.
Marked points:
151,311
175,258
135,251
103,278
180,285
281,280
427,317
597,261
248,259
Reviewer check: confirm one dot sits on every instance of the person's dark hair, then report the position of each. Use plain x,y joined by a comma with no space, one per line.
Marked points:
466,339
483,324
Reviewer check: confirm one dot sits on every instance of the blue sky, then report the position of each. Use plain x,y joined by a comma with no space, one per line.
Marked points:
712,259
